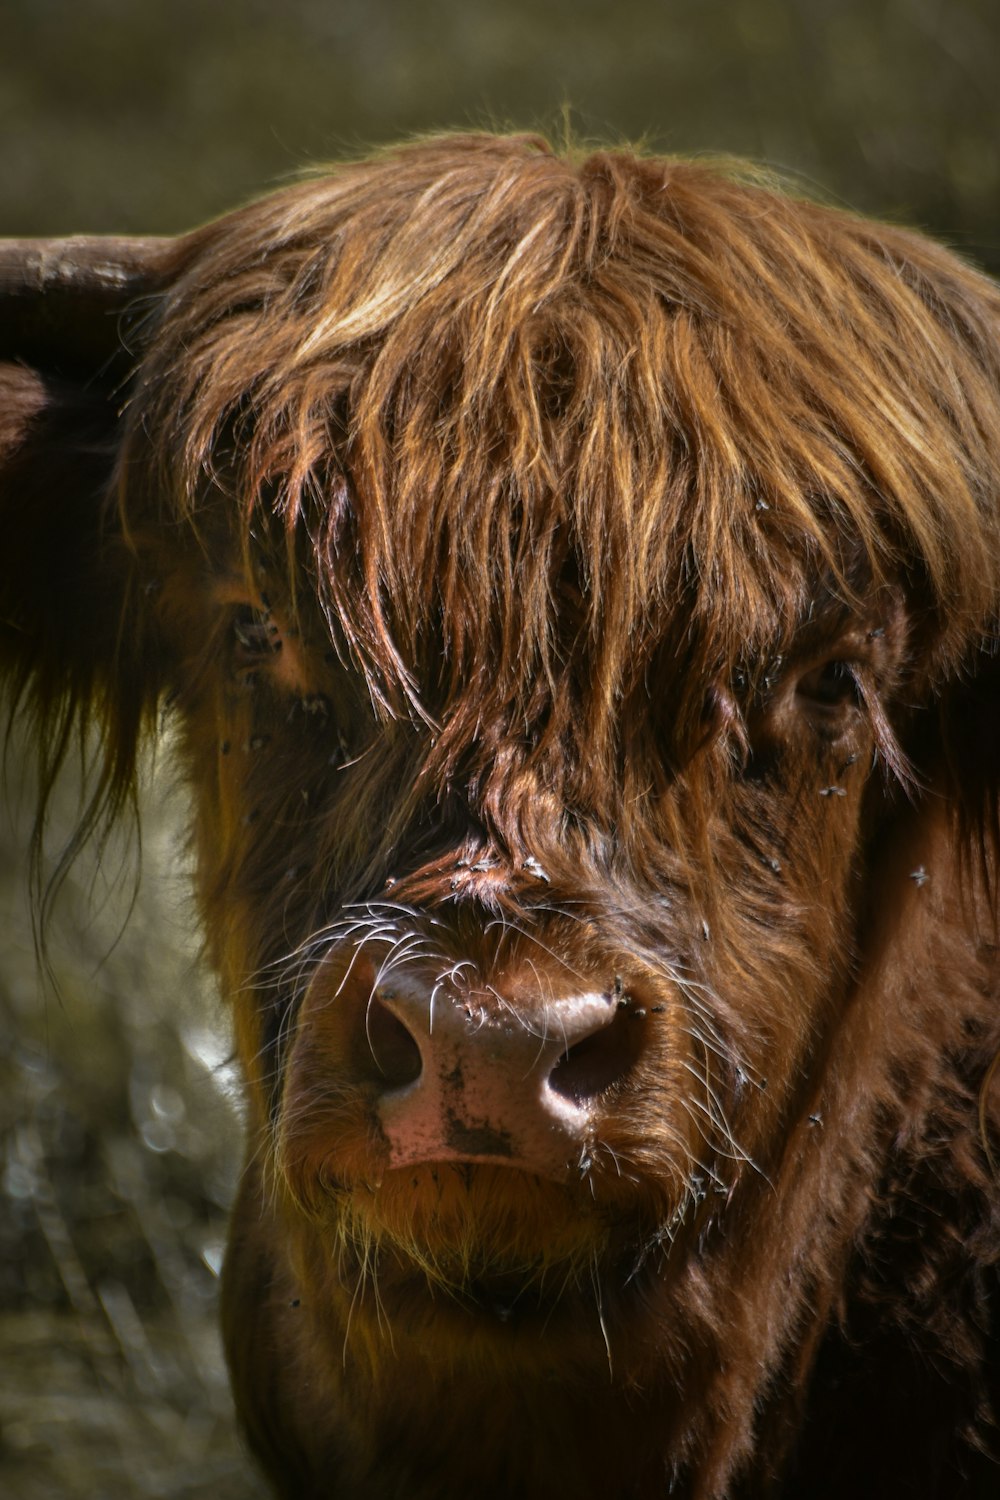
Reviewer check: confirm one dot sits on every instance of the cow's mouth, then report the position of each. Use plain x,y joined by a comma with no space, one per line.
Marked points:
490,1247
475,1303
512,1298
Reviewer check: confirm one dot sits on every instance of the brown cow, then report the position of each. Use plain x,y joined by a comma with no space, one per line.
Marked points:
575,586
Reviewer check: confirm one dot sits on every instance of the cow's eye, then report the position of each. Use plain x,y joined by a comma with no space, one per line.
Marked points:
255,635
832,684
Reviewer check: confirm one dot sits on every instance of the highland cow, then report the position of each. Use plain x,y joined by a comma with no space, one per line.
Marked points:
574,585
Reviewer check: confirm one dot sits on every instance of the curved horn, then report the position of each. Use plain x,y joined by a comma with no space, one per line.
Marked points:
62,300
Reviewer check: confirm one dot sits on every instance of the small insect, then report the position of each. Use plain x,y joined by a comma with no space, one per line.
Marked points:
771,672
256,632
341,756
314,705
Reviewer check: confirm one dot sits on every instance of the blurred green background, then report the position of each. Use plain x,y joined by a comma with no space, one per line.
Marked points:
118,1113
151,115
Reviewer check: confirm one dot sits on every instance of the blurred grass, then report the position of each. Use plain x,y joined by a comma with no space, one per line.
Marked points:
119,1149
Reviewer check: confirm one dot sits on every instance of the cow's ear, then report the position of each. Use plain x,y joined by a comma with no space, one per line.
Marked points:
71,315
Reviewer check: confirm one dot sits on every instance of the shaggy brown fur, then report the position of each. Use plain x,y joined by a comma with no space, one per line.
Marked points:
576,586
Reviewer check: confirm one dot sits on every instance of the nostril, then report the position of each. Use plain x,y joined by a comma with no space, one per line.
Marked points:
597,1061
392,1046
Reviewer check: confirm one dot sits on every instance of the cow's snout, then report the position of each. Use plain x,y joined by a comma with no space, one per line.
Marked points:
484,1077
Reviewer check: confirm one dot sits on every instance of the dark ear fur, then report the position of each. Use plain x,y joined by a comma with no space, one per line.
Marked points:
71,652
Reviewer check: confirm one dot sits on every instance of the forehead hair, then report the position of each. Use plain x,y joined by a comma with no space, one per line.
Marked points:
509,408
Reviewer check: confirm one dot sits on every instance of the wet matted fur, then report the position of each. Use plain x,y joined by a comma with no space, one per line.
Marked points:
574,582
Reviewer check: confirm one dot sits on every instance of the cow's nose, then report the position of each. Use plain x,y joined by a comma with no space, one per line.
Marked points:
490,1081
